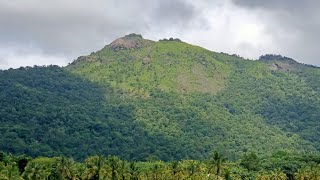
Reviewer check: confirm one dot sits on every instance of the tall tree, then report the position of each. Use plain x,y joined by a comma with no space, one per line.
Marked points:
95,168
216,164
133,171
114,163
65,168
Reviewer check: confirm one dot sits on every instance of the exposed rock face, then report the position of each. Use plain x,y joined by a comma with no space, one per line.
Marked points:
122,44
280,63
131,41
280,66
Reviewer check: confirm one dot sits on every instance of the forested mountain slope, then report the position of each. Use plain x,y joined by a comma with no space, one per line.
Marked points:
141,99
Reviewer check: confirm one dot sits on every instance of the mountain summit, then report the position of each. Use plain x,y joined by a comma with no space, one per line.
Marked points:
131,41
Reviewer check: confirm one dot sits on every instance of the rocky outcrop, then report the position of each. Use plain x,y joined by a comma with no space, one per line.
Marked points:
129,42
123,44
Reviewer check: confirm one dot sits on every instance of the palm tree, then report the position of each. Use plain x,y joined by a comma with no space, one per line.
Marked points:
192,168
134,171
94,170
30,171
114,163
263,176
302,174
315,171
122,170
278,175
79,170
9,171
312,172
36,171
174,167
227,175
216,164
65,168
156,169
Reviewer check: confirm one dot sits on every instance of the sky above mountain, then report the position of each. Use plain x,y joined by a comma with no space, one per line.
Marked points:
38,32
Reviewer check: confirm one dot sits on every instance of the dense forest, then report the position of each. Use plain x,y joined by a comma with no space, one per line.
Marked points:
164,101
279,166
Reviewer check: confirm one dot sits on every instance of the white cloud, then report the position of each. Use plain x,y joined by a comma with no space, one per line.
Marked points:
232,30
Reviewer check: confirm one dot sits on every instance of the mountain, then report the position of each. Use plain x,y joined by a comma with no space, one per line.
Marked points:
140,99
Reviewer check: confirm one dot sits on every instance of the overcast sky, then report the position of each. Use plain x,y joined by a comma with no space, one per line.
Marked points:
40,32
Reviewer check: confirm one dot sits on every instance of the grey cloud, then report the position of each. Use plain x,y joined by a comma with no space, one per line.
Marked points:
296,17
291,5
169,12
75,27
67,29
62,29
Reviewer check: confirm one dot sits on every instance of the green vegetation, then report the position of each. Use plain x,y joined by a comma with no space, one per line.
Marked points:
167,100
280,166
167,66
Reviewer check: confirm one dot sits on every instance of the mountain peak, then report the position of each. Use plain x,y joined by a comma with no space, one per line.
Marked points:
129,42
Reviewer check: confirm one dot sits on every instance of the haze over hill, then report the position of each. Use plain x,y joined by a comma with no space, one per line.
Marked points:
138,98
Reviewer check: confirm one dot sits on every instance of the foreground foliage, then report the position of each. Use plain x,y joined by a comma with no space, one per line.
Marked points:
251,166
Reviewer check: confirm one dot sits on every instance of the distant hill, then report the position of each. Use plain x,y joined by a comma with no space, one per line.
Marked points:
141,99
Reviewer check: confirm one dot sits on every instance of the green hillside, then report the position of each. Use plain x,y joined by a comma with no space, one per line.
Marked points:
169,66
139,99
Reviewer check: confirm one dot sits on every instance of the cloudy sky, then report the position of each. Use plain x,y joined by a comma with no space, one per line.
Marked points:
40,32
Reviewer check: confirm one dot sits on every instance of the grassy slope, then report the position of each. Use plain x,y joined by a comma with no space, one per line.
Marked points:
169,66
